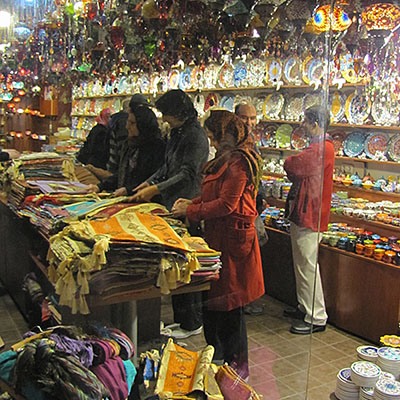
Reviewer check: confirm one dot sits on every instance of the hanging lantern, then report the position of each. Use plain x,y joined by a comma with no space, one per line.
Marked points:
16,99
21,92
20,110
10,105
381,17
323,19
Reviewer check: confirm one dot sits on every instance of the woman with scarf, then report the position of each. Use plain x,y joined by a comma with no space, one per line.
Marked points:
228,207
142,153
96,149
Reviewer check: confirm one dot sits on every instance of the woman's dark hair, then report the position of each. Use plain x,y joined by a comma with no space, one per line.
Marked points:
176,103
146,122
318,114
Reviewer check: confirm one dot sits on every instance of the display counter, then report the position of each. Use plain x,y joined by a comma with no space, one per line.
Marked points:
362,295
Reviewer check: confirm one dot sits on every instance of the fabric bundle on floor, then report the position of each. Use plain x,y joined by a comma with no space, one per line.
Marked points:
67,363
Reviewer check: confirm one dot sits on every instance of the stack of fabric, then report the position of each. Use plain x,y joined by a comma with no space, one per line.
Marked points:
122,248
33,167
68,363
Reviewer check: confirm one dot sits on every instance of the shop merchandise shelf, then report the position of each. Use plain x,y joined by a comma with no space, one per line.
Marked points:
369,194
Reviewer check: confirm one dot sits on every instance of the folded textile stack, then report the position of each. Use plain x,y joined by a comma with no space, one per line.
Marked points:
33,167
142,250
68,363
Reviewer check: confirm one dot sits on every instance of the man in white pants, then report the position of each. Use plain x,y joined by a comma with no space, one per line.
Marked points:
308,208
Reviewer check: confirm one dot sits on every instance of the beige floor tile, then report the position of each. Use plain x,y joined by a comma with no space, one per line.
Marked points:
281,368
300,381
320,392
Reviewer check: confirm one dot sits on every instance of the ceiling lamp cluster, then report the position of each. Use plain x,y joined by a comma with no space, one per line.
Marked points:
325,19
381,17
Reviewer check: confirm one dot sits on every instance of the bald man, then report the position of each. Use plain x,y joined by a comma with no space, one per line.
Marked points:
248,114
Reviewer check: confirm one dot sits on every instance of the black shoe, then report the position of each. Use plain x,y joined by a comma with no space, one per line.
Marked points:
294,313
253,309
304,328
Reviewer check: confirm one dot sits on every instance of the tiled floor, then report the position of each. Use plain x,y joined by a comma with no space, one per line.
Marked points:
279,360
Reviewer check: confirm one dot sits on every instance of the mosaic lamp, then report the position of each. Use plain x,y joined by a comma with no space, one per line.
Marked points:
325,19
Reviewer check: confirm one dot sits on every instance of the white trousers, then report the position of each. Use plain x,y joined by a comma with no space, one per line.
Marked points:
306,268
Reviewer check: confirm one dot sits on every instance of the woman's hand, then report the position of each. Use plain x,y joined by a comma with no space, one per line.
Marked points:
144,195
140,187
120,192
180,206
92,189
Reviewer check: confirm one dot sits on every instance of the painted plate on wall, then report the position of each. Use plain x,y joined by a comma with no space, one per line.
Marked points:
283,136
394,148
227,102
376,142
212,100
273,105
292,71
299,139
337,102
274,70
294,107
353,145
357,108
338,138
240,74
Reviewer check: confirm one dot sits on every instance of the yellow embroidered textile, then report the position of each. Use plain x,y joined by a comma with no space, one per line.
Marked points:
200,246
183,371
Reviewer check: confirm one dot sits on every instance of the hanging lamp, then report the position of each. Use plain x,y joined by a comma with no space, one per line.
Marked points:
325,19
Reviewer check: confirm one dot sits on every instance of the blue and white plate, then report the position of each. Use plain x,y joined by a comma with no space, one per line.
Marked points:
353,145
185,79
389,353
240,74
227,102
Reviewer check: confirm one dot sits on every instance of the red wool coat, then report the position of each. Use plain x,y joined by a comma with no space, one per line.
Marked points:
227,206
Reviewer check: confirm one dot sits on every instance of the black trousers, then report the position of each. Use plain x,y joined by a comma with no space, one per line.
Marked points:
187,310
226,331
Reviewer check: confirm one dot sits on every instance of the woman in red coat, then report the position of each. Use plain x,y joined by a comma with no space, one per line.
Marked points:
228,207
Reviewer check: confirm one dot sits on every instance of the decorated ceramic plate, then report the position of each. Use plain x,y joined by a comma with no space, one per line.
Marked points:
117,105
312,99
310,63
294,108
163,82
240,74
273,105
390,340
376,142
366,369
383,114
274,70
357,108
299,139
338,138
210,75
123,85
353,145
266,132
389,387
227,102
369,351
212,100
283,135
196,78
337,102
199,102
347,69
394,148
185,79
389,353
256,72
345,375
259,105
292,71
225,76
173,79
108,87
316,70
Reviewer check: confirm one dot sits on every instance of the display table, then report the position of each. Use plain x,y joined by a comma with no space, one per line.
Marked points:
362,295
23,249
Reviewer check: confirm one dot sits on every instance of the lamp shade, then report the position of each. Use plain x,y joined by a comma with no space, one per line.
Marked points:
324,19
381,16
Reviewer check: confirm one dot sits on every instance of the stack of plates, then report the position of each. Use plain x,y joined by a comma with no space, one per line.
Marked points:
387,389
345,387
367,353
365,373
389,360
367,393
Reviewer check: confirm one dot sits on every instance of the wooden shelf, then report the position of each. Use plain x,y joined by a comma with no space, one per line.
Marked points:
367,161
372,195
84,115
280,203
277,150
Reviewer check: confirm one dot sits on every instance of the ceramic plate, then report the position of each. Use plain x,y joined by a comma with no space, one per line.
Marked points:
347,69
274,70
283,135
266,132
123,85
299,139
256,72
210,75
305,68
383,114
273,105
345,374
370,351
311,100
294,108
357,108
240,74
291,70
366,369
185,79
376,142
259,105
199,102
212,100
389,353
173,79
196,77
225,77
389,387
337,103
338,138
353,145
394,148
227,102
316,70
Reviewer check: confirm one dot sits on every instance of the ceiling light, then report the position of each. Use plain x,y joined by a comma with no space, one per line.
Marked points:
5,19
